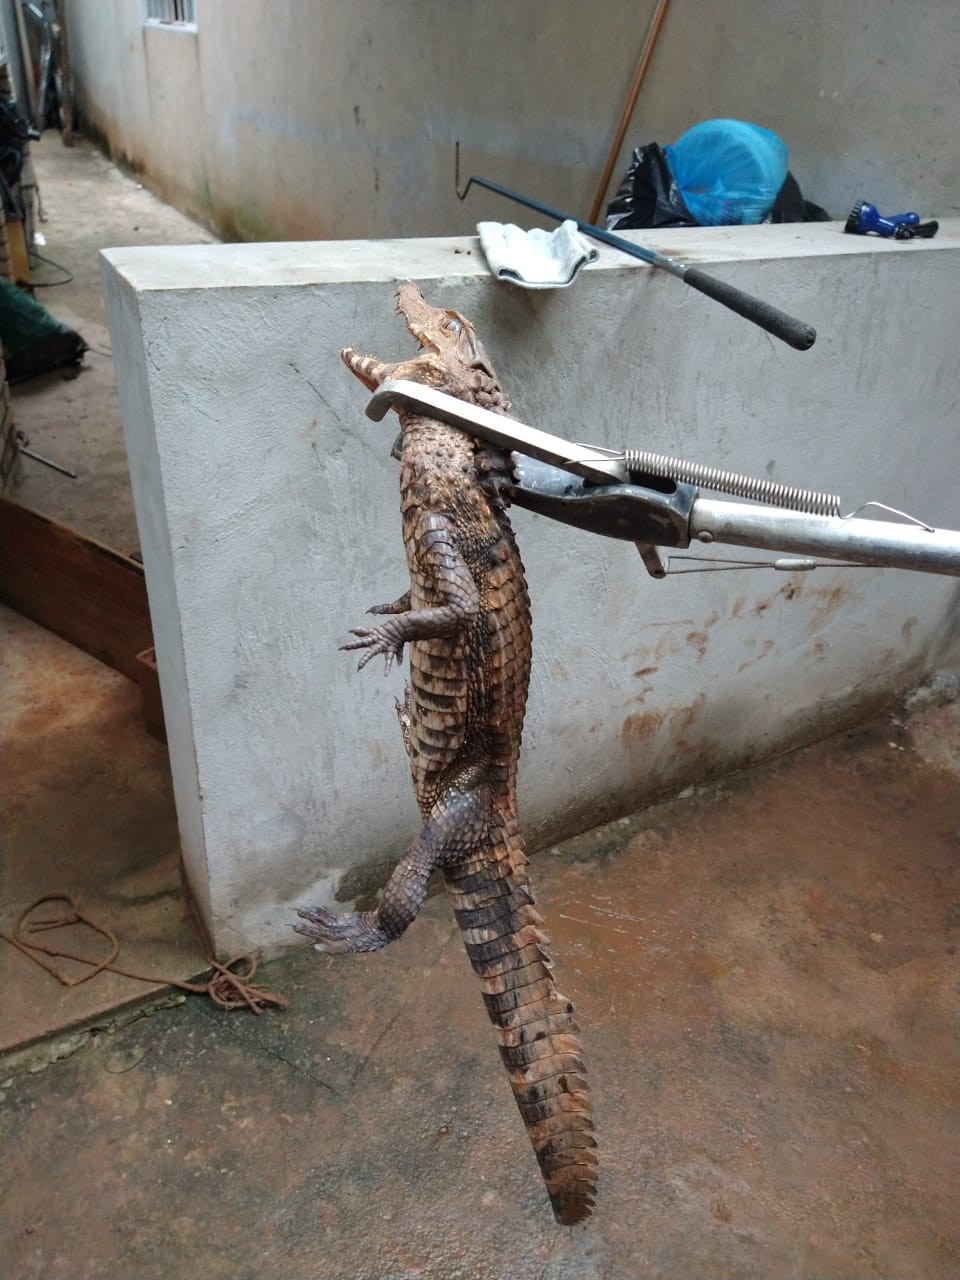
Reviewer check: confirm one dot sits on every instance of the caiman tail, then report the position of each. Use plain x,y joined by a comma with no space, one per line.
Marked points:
536,1029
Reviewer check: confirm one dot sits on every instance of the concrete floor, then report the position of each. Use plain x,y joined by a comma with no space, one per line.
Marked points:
87,801
765,974
89,205
87,810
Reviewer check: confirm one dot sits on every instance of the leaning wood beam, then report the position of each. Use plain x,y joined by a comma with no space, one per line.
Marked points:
66,77
86,592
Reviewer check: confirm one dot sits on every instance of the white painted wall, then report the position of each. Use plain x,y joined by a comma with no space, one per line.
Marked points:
284,120
269,521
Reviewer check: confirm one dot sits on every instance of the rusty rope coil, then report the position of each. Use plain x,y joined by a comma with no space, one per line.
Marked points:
228,986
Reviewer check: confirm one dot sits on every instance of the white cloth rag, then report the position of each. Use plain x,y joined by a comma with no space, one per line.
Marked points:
535,259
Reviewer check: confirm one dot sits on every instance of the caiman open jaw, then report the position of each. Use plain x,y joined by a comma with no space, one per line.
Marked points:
421,318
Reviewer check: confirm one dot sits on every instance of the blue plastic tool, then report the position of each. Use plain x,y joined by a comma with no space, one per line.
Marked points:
865,218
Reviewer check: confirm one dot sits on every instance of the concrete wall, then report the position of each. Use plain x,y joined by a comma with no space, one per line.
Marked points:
283,120
269,521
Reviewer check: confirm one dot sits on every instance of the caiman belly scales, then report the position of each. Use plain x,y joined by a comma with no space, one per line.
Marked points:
466,623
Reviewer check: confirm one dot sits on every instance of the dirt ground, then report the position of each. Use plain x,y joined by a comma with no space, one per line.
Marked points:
765,973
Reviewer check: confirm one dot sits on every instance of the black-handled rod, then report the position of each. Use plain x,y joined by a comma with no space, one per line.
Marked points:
795,333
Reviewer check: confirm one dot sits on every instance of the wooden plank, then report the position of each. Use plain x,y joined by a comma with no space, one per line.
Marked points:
26,67
151,704
66,77
79,588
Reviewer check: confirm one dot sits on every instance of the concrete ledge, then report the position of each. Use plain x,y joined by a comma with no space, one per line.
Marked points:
279,264
268,519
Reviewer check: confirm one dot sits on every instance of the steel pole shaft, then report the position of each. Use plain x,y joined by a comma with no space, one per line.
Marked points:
871,542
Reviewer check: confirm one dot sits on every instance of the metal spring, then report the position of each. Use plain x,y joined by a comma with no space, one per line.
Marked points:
778,495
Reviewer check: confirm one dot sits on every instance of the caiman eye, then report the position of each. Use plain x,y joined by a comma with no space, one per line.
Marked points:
452,324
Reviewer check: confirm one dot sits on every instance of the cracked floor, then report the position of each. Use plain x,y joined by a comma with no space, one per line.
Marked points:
765,973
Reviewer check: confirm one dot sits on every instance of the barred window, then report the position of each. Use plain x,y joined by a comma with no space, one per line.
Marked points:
178,12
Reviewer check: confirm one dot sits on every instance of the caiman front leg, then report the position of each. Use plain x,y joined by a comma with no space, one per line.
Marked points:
457,828
396,606
444,568
401,605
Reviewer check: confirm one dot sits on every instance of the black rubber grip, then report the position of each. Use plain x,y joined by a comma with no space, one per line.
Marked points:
794,332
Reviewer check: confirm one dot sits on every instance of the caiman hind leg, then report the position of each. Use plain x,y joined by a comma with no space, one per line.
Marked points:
351,932
456,829
403,716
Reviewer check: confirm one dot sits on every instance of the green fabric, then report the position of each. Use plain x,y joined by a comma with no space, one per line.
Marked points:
22,319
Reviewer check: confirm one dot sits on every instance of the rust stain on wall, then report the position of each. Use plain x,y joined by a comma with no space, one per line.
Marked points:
698,641
640,727
682,719
668,646
789,591
829,601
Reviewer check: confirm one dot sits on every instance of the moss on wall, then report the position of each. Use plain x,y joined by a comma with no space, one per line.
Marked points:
243,223
98,135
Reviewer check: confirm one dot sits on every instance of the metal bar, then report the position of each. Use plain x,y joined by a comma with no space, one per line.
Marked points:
795,333
23,444
875,543
47,462
870,542
599,465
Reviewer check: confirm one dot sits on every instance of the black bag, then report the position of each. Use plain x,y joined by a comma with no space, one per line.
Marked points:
648,196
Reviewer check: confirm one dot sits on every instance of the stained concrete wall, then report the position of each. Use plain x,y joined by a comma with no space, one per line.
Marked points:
281,120
269,521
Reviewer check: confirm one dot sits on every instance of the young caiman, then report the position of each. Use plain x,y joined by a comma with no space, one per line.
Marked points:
466,620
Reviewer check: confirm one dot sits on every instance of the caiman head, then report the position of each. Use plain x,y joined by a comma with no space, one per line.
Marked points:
451,357
445,338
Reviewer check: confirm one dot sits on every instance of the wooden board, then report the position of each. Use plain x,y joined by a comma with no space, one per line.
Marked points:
151,704
86,592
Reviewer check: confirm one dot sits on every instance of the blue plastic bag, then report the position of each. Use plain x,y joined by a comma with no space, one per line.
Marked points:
728,172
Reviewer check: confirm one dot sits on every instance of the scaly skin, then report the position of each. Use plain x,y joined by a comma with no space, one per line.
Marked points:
466,620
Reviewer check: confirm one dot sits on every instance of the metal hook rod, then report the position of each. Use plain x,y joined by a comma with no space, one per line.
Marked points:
795,333
27,452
